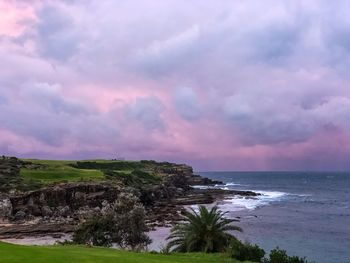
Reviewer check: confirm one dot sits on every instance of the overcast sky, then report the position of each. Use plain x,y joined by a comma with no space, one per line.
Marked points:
220,85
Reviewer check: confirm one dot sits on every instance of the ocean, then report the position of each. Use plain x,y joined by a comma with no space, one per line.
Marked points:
305,213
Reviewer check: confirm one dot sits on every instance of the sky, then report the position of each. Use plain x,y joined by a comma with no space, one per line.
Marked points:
219,85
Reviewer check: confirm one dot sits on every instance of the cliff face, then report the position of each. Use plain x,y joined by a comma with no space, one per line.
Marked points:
64,200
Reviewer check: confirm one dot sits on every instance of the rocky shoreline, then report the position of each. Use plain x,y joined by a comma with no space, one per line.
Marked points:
163,213
57,209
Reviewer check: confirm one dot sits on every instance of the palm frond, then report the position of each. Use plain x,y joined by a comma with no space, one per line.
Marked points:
203,230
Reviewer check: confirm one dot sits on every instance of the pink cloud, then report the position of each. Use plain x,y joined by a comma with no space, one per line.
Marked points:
14,17
217,89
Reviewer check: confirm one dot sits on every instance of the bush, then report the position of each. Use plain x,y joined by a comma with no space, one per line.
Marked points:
278,255
247,251
98,231
122,223
137,178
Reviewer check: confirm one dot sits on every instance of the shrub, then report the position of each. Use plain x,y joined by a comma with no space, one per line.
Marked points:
98,231
137,178
242,252
278,255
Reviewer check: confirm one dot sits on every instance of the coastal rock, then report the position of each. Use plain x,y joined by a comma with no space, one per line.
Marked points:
46,211
181,175
5,208
199,180
62,200
18,231
20,215
34,210
63,211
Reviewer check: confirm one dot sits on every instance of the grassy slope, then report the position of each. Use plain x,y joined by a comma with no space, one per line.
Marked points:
59,171
66,254
55,171
57,174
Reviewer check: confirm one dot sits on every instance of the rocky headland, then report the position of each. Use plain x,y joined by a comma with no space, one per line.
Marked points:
31,207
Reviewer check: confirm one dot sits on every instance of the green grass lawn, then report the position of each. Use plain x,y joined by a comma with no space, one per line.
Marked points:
54,171
68,254
60,175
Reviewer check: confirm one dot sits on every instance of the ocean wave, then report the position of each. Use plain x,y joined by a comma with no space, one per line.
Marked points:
238,203
220,186
231,184
206,186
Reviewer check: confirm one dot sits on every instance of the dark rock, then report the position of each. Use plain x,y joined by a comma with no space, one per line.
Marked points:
46,211
63,211
18,231
20,215
65,198
34,210
199,180
5,208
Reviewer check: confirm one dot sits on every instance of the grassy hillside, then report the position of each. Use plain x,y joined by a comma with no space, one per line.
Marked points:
66,254
55,171
59,172
31,174
48,172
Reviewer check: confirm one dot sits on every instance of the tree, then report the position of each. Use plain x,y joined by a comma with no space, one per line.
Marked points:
205,231
122,223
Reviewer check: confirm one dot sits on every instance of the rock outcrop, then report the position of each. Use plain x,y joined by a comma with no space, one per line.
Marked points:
62,200
182,174
5,208
19,231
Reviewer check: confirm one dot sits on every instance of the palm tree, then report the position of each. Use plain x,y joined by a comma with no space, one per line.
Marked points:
205,231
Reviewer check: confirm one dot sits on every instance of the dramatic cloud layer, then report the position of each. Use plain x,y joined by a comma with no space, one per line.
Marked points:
242,85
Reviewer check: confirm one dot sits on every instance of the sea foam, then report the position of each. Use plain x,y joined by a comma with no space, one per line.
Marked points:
238,203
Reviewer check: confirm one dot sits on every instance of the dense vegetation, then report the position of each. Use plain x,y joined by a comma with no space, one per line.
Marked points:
241,251
9,176
280,256
136,178
122,223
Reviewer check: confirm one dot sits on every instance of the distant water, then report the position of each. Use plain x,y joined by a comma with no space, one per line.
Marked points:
305,213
